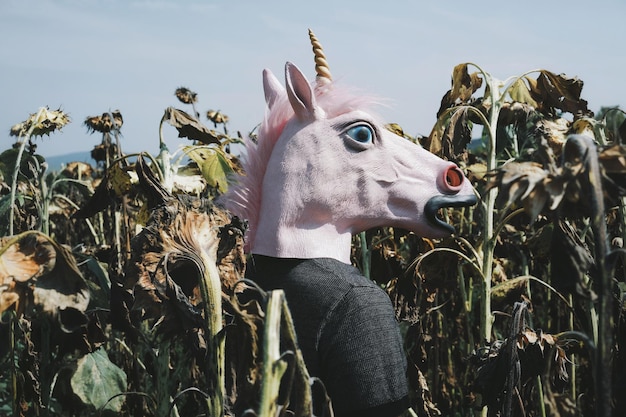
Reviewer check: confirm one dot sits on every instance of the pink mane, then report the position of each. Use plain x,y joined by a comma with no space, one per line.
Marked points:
244,196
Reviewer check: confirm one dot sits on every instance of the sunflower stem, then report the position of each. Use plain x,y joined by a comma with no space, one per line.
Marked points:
273,366
211,290
16,169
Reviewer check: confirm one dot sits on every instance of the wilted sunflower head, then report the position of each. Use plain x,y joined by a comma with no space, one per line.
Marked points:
217,117
44,122
105,122
185,95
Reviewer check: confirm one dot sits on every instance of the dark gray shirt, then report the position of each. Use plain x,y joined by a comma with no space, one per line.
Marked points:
346,330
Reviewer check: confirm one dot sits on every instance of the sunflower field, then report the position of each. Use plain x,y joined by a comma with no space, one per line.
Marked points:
123,290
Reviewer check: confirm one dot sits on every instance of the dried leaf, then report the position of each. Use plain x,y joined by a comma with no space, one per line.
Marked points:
456,135
54,281
189,127
64,287
464,84
119,179
25,259
558,92
22,260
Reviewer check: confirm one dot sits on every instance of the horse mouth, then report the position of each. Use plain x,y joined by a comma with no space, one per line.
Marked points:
442,201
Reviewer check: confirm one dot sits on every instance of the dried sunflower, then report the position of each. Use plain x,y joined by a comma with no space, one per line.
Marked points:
185,95
217,117
44,122
105,122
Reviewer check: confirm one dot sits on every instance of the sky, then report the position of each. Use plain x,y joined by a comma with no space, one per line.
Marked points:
88,57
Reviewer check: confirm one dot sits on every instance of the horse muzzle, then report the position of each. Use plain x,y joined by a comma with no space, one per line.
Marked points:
442,201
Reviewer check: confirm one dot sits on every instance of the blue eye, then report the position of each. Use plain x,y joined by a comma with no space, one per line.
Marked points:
361,133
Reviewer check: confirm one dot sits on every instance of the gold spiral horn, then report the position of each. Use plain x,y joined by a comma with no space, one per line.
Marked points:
321,65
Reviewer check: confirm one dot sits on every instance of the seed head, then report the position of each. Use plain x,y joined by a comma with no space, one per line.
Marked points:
105,122
185,95
44,122
217,117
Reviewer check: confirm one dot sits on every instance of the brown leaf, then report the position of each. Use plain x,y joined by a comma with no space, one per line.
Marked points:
189,127
101,199
64,287
25,258
456,135
558,92
172,251
464,85
513,113
54,281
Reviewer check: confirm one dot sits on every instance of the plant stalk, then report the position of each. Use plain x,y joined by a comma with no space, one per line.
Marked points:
273,366
16,169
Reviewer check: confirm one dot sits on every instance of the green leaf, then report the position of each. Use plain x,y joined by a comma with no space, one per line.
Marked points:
520,92
213,164
97,380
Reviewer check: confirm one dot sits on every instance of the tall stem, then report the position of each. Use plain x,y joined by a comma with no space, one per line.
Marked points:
16,169
211,290
273,366
489,243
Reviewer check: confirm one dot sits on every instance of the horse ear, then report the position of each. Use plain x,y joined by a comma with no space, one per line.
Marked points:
271,88
300,94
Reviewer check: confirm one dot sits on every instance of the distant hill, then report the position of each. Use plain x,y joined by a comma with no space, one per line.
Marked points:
55,162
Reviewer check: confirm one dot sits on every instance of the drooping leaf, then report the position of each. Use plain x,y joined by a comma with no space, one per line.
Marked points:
25,258
97,380
558,92
514,113
189,127
119,179
434,141
520,92
457,135
102,198
21,261
63,287
464,85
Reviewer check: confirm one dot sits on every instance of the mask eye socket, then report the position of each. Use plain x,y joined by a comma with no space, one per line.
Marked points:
361,133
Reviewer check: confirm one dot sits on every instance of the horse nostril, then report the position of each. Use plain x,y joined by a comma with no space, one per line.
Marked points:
453,178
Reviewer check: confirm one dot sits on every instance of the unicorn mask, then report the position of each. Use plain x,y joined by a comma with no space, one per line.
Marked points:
324,168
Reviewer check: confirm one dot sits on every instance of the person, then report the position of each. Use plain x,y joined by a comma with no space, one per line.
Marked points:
346,330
